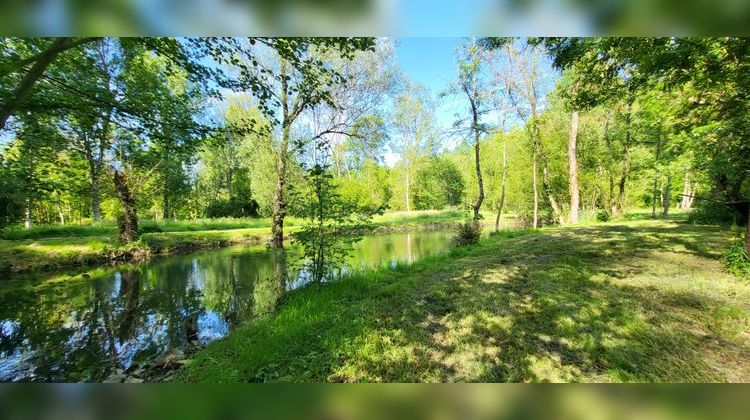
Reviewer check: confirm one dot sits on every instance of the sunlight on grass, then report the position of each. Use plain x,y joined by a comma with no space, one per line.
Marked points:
53,247
626,301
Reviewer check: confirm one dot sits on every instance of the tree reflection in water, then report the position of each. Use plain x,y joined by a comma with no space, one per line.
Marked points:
84,329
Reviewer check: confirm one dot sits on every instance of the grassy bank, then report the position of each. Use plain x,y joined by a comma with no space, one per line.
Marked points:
626,301
53,247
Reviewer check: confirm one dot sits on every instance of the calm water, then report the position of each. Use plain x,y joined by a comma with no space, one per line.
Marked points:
58,329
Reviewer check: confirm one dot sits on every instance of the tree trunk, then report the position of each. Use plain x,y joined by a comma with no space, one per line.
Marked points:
279,203
534,182
501,204
230,189
27,214
625,161
480,182
575,196
661,195
165,203
693,189
546,186
685,191
279,199
127,223
653,204
408,191
656,175
667,194
60,213
607,142
611,197
95,197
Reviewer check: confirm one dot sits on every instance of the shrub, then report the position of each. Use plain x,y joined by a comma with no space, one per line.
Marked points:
235,207
736,260
149,228
708,213
468,233
602,216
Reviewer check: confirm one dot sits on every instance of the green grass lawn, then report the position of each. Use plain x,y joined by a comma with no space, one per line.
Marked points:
627,301
109,228
19,256
52,247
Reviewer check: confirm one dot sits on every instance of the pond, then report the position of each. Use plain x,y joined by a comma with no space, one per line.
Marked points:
84,326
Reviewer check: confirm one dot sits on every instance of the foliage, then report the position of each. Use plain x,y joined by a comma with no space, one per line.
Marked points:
710,77
414,136
331,225
736,260
707,212
468,233
602,216
234,207
438,184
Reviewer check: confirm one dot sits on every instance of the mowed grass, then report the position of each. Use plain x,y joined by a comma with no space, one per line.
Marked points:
632,301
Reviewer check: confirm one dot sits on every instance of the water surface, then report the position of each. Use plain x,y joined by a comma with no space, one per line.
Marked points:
55,328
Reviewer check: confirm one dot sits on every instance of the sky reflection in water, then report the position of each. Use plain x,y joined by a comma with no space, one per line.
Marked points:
84,329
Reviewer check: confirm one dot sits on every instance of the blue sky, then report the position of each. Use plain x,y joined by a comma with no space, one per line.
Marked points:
432,62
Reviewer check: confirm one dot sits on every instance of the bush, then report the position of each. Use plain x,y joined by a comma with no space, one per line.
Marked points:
602,216
709,213
468,233
232,208
736,260
149,228
439,184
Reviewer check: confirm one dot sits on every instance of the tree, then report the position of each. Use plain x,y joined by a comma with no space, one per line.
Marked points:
575,198
710,74
90,128
231,162
527,99
201,63
332,224
472,84
499,66
31,159
296,79
39,60
414,137
438,184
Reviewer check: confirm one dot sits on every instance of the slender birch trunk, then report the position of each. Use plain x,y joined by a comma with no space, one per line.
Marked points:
27,214
501,203
575,197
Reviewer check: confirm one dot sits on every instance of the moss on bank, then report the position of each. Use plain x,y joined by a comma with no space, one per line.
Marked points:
633,301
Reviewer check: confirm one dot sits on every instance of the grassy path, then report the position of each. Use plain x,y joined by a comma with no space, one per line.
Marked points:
634,301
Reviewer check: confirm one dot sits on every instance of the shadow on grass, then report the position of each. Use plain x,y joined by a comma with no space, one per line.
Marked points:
603,303
573,307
